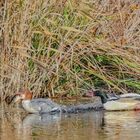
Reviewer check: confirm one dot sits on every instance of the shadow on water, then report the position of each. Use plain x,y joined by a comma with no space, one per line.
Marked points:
99,125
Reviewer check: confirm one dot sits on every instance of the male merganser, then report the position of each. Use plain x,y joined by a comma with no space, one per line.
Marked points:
118,103
42,105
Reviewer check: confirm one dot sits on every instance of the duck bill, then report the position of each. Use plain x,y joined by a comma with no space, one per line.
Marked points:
16,98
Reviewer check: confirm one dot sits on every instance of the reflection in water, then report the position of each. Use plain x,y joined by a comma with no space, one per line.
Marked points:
77,126
122,125
83,126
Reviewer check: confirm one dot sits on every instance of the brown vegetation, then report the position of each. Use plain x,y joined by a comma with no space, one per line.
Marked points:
65,47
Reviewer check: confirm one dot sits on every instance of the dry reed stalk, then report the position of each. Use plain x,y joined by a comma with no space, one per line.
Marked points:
67,47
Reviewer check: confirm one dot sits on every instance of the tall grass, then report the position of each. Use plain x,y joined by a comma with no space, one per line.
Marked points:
66,47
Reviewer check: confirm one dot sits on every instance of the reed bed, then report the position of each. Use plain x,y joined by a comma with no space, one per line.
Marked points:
66,47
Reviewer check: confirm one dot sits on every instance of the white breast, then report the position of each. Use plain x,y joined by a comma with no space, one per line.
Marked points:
27,106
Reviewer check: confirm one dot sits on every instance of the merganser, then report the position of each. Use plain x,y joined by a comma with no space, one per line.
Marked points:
39,105
42,105
118,103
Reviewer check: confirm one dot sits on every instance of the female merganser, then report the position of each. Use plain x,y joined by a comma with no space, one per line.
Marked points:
42,105
118,103
39,105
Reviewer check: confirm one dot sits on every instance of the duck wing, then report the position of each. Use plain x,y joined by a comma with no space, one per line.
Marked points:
130,95
129,100
44,105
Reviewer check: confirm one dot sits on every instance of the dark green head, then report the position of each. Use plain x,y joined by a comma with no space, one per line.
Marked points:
102,95
99,93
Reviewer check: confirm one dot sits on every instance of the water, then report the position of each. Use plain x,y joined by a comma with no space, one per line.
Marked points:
99,125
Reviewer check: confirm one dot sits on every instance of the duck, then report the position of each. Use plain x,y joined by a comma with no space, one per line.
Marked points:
118,103
46,105
37,106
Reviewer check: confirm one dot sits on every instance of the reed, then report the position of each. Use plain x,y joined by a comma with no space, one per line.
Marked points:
66,47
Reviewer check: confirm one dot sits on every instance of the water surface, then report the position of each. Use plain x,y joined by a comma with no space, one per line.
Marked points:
99,125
